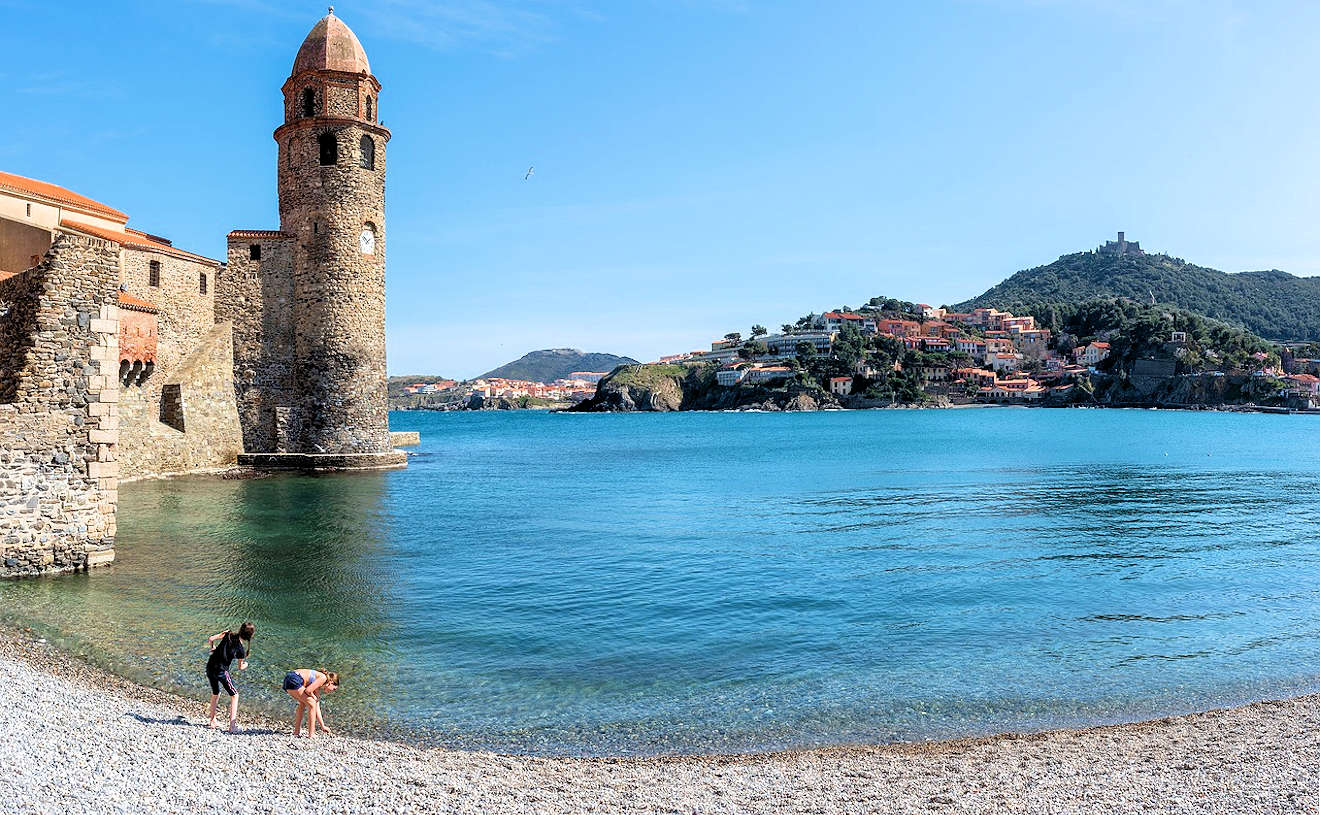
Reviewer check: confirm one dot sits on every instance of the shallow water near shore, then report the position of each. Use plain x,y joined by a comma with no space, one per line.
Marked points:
641,584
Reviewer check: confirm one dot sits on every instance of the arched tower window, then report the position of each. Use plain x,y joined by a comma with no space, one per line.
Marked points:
371,111
368,153
309,102
329,149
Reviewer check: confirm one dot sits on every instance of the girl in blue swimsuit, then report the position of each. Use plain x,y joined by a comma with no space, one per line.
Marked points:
306,687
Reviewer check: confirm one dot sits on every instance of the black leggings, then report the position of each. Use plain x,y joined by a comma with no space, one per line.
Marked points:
220,679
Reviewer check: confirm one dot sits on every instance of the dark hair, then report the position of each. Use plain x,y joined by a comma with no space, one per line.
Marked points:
331,677
245,631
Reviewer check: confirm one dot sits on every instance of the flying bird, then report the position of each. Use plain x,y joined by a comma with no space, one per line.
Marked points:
530,172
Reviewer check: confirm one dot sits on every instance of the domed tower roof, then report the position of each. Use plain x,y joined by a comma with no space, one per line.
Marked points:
331,46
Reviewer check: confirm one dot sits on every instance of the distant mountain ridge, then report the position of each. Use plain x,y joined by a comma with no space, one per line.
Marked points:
1272,304
556,363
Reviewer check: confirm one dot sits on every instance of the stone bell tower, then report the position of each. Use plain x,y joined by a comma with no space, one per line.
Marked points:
310,369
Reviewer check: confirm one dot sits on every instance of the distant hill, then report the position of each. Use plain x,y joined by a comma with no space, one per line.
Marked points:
1272,304
556,363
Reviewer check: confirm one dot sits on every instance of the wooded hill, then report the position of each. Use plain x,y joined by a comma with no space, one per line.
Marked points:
1271,304
556,363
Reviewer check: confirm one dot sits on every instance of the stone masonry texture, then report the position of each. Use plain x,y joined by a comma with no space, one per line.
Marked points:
309,313
191,353
58,410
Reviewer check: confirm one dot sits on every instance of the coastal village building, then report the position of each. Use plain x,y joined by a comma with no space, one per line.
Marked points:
841,385
1093,354
761,375
728,377
124,356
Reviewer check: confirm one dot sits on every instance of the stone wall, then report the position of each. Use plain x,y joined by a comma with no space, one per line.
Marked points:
197,426
187,349
256,296
338,290
20,300
59,417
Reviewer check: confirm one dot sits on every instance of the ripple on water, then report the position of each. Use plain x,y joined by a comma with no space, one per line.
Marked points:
645,584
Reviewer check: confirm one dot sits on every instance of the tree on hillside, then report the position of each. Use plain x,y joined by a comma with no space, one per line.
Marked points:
733,336
759,331
850,347
787,328
754,348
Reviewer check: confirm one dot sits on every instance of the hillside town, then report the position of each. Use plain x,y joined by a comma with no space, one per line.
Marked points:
983,355
576,387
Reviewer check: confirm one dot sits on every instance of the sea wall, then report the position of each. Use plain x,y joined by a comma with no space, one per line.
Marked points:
192,424
256,295
59,415
181,416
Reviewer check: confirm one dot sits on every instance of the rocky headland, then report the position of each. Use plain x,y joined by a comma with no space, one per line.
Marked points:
665,388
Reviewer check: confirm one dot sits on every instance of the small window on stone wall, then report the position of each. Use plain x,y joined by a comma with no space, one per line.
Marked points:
329,149
371,112
254,252
201,283
153,273
171,406
309,102
368,153
29,210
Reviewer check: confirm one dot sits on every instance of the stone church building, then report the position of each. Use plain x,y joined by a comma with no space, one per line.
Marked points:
123,356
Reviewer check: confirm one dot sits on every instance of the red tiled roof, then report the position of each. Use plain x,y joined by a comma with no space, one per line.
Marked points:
134,303
259,233
118,236
134,239
58,194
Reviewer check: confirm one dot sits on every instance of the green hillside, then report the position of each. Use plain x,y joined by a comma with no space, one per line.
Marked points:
556,363
1272,304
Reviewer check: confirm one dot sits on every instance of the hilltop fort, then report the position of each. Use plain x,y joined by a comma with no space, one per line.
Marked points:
123,356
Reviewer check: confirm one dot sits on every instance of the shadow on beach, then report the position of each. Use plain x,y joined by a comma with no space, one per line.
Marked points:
181,721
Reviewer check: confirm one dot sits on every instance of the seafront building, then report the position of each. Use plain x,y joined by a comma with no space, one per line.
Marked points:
124,356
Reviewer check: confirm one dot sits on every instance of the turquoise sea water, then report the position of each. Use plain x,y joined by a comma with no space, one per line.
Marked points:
620,584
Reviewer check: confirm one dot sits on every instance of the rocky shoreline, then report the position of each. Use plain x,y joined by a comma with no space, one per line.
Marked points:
78,740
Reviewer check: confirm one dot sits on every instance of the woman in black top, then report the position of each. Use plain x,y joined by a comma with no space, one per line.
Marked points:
225,648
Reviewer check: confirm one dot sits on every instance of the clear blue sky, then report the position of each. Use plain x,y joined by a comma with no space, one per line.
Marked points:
700,164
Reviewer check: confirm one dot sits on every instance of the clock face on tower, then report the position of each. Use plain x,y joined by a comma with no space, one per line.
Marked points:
368,241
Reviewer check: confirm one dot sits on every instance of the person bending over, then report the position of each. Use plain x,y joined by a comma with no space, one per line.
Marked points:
225,648
307,687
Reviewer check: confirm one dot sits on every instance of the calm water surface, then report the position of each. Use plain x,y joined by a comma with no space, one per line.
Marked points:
610,584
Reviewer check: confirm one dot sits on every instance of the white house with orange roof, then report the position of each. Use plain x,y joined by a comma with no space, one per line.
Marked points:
1005,362
1093,354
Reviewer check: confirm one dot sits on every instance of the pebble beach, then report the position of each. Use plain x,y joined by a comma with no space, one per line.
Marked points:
74,739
